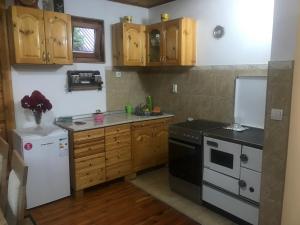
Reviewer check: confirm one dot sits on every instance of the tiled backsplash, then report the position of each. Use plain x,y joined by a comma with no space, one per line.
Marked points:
203,92
127,89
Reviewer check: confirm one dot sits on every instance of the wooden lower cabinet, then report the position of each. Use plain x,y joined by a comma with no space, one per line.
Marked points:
149,144
104,154
87,158
118,151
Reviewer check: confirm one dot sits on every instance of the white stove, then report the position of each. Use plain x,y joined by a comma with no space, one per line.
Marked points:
231,178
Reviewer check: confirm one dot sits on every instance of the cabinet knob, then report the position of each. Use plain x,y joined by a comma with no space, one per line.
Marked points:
251,189
244,158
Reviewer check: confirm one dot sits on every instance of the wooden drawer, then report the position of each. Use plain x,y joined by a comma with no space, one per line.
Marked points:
118,170
147,123
115,130
117,156
93,161
89,150
92,178
84,136
113,142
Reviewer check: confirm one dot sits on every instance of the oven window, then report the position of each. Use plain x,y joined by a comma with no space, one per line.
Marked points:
221,158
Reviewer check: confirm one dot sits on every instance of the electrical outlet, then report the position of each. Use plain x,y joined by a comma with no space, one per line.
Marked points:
118,74
174,88
277,114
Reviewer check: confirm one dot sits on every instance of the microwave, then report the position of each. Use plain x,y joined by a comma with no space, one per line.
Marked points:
223,157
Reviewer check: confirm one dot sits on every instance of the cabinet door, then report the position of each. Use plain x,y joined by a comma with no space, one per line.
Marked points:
134,44
28,35
142,142
250,184
58,38
154,45
160,139
171,42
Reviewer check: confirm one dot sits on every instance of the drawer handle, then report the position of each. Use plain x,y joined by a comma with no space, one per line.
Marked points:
244,158
242,184
212,143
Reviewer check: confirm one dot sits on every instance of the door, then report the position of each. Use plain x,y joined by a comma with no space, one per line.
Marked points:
185,161
222,156
154,45
172,43
134,44
28,35
250,184
58,38
160,135
142,143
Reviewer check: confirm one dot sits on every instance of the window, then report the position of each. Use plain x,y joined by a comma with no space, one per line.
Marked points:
88,40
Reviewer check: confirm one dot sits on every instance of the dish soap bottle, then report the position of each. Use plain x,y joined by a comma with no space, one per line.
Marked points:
149,103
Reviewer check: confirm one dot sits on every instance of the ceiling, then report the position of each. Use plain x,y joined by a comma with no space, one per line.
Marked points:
143,3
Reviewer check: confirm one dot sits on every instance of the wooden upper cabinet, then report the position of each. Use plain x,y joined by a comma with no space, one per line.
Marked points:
154,44
40,37
128,44
27,35
172,43
172,47
58,38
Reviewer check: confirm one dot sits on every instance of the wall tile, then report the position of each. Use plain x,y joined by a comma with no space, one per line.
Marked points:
279,92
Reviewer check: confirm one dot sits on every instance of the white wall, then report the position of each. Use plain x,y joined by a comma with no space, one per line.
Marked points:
248,27
286,14
51,80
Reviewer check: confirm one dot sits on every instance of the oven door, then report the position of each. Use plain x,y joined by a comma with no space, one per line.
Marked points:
185,161
222,156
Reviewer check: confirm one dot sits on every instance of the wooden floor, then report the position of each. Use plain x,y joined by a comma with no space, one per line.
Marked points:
119,203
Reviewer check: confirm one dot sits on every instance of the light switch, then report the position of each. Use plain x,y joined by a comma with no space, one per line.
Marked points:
118,74
276,114
175,88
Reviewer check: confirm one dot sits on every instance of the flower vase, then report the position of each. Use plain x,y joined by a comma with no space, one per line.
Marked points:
37,117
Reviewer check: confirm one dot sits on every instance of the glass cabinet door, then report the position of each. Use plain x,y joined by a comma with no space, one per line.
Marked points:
154,45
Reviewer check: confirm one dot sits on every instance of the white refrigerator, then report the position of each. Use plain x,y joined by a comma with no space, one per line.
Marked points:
46,152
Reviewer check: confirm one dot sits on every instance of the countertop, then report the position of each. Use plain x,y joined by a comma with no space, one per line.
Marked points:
109,120
253,137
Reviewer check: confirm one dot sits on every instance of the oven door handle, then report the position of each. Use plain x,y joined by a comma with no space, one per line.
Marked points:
182,144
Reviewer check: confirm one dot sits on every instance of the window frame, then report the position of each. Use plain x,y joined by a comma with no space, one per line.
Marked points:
98,26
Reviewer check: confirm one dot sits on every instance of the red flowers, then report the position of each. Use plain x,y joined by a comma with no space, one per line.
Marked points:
36,102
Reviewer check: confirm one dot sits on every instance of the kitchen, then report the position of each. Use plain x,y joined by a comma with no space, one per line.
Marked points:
205,91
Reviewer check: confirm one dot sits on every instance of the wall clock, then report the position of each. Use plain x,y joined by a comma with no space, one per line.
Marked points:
29,3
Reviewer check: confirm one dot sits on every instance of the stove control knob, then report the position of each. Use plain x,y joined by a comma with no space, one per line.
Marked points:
244,158
242,184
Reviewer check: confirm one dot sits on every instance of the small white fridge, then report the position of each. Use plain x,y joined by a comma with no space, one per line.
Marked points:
46,153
